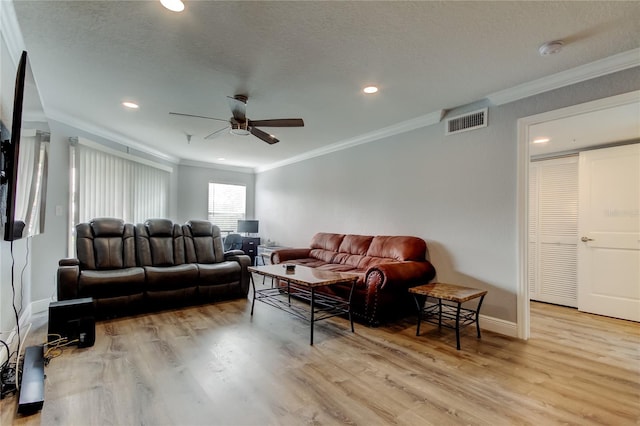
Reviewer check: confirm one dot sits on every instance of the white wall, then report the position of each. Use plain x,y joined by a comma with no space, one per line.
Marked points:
457,192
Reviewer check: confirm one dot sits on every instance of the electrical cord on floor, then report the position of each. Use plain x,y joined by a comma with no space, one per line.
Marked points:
20,346
13,292
55,347
7,375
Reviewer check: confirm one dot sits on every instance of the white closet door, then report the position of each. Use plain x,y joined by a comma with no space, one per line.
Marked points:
554,224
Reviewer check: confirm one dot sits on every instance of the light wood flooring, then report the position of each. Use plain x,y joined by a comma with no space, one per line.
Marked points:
216,365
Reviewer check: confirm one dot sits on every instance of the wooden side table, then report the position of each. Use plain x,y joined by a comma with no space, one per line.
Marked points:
435,313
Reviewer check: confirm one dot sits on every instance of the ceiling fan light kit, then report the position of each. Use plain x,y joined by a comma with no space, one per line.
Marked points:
240,125
239,132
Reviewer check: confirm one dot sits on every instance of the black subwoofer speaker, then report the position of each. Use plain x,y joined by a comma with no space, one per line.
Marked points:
73,319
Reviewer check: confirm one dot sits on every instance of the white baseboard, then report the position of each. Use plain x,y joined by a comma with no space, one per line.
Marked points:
32,308
500,326
40,306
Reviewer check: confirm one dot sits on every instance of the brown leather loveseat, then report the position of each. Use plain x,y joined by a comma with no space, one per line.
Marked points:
149,266
387,267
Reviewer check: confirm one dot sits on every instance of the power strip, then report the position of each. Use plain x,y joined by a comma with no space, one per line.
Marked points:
32,381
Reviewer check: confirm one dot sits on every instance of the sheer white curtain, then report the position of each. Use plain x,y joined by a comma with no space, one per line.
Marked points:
26,161
32,164
108,183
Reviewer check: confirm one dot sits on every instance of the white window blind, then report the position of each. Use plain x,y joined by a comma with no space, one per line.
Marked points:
227,205
553,231
107,184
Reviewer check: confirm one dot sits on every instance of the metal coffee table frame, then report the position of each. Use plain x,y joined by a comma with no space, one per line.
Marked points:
320,305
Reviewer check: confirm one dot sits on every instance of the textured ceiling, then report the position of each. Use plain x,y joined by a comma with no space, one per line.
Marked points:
296,59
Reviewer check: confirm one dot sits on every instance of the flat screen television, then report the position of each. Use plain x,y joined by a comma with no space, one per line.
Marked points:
248,226
24,137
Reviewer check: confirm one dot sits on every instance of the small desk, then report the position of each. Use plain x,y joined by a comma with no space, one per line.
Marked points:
250,247
461,317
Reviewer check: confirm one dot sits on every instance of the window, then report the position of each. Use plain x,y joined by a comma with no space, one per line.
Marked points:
227,204
109,183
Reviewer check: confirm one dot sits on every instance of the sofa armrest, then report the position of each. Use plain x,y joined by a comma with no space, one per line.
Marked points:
69,262
245,262
228,255
401,275
284,255
68,277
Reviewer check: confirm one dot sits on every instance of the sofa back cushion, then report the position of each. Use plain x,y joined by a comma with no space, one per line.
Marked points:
398,248
203,242
160,243
105,243
352,250
324,246
355,244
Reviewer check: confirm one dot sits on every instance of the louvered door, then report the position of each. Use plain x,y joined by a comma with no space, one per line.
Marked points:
553,231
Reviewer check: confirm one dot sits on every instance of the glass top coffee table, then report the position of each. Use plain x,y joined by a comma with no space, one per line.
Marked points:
301,283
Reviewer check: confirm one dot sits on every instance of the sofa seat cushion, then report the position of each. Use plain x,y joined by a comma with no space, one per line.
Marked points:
369,262
323,255
348,259
346,268
111,283
308,261
218,273
171,277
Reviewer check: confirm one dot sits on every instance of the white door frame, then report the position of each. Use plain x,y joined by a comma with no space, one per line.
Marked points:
522,195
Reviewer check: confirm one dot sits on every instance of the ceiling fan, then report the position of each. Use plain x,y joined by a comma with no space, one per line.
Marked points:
239,124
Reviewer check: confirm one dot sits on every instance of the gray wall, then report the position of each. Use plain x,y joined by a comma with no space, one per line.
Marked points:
457,192
193,187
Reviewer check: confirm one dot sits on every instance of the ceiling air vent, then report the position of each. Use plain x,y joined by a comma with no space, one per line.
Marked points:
469,121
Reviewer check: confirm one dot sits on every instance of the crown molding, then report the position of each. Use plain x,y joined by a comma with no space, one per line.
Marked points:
395,129
217,166
63,118
609,65
100,147
11,31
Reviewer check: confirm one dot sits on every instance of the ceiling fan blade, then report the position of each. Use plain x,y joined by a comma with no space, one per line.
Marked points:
278,122
216,133
238,105
263,135
196,116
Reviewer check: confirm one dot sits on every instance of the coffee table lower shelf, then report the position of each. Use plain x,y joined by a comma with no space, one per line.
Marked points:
290,297
324,305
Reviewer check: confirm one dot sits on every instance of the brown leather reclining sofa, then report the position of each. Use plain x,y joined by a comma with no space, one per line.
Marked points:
386,266
153,265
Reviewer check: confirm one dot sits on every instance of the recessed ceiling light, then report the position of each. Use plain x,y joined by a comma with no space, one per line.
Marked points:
173,5
370,89
131,105
541,140
550,47
221,159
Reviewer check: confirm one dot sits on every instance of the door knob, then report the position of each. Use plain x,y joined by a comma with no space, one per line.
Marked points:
585,239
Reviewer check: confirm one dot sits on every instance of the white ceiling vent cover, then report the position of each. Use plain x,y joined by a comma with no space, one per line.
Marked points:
469,121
